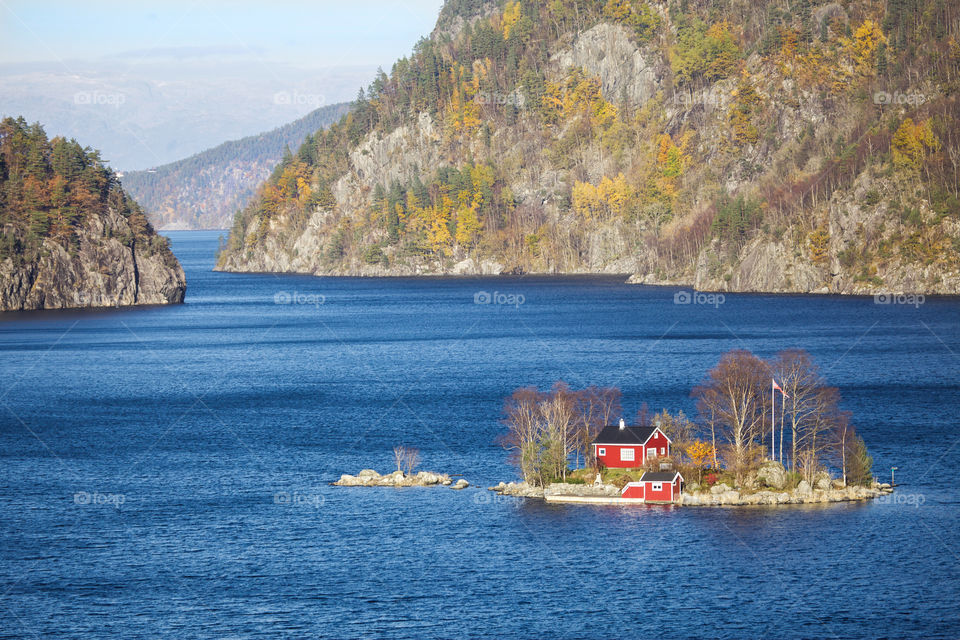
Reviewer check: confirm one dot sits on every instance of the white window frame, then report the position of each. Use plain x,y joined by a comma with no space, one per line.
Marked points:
627,454
601,451
656,486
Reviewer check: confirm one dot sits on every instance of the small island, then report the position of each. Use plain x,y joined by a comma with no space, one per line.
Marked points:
767,432
406,459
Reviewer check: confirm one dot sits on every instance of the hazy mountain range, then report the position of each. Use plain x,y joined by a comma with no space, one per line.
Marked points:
145,114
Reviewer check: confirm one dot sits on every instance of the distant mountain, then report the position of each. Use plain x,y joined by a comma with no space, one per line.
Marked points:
205,190
142,113
803,146
69,235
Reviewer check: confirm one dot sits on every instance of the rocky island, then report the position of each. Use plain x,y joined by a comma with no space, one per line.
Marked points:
735,452
69,235
371,478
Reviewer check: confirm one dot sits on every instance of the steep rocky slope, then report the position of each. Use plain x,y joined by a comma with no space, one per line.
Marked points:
69,235
760,147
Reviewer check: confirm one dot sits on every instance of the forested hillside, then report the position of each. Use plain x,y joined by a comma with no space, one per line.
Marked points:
773,145
205,190
69,235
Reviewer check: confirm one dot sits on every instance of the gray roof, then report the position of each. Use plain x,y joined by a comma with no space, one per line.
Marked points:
660,476
628,435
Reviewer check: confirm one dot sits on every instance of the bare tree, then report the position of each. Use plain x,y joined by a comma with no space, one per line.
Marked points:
559,409
411,460
842,439
524,422
406,458
546,429
595,408
800,379
810,408
733,398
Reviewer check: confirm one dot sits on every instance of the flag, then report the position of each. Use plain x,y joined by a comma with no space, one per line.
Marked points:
777,388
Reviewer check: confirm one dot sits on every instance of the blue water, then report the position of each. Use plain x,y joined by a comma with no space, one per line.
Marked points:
165,470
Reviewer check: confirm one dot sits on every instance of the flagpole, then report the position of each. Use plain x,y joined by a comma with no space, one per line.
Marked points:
773,420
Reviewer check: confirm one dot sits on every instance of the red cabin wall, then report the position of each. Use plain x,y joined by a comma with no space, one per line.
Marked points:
660,443
612,457
635,491
661,496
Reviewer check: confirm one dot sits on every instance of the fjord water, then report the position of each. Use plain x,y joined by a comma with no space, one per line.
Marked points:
165,470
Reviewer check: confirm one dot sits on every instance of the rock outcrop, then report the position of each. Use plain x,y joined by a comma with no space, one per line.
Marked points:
370,478
518,489
104,272
802,495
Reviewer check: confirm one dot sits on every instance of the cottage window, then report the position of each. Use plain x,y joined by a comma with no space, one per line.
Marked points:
626,455
601,451
656,486
663,451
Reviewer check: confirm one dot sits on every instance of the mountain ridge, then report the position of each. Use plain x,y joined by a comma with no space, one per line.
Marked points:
760,148
204,190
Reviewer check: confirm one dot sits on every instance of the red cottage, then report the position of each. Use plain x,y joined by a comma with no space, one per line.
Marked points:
655,486
625,447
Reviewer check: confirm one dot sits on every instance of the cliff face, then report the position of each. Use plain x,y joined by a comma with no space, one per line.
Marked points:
104,272
69,236
749,150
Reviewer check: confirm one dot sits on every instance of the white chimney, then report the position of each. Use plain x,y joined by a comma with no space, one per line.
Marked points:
623,425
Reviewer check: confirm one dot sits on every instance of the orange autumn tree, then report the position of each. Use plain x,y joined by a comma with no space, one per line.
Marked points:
699,453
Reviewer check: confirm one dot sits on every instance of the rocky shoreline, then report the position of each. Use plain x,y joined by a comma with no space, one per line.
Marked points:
719,495
371,478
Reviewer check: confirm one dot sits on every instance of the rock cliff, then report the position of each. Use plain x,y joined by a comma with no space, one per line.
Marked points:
730,151
69,236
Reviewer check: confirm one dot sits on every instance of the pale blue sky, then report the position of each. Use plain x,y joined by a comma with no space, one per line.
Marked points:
352,32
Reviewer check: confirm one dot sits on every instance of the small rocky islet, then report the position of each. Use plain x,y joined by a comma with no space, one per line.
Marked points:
372,478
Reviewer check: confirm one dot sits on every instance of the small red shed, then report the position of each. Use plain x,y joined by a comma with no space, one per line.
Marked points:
655,486
623,447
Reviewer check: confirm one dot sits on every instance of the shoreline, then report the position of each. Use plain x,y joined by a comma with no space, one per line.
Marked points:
722,497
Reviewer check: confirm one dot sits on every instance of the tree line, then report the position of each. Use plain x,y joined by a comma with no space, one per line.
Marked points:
49,188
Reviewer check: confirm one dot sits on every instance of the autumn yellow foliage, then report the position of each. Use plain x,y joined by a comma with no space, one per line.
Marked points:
912,142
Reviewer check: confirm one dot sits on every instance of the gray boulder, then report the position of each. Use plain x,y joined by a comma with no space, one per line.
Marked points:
822,481
730,497
773,475
460,484
717,489
803,489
